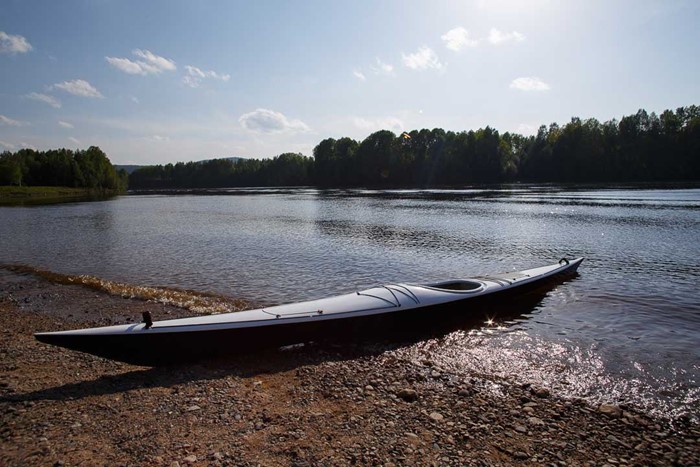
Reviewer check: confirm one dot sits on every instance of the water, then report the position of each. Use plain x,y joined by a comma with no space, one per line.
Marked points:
625,330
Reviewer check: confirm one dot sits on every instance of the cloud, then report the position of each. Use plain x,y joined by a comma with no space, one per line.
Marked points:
27,146
458,38
423,59
160,139
161,63
135,100
7,145
10,122
383,68
375,124
269,121
150,64
126,65
10,44
529,83
79,87
359,75
63,124
497,37
45,98
194,76
74,141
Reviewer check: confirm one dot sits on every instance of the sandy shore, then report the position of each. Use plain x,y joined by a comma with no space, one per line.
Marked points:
309,405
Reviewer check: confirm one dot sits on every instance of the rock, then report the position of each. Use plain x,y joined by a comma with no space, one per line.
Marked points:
542,393
193,408
465,390
610,410
520,429
190,459
436,416
535,421
522,455
408,395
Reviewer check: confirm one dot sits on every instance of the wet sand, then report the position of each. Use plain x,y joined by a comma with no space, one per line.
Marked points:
308,405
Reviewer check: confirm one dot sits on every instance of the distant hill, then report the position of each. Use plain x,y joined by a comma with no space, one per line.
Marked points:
128,168
131,168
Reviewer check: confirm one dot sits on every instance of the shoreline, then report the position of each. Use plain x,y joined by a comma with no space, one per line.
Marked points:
34,195
307,405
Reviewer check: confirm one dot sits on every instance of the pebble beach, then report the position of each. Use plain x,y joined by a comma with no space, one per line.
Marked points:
304,405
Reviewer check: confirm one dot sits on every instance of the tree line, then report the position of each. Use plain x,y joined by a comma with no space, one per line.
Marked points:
639,147
287,169
89,168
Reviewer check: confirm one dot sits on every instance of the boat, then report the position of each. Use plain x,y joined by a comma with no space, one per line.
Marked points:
377,310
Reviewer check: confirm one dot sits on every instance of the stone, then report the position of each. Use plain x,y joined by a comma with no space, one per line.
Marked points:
535,421
191,459
542,393
436,416
610,410
408,395
520,429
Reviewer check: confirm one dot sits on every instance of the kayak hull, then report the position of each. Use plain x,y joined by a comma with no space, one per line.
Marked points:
186,340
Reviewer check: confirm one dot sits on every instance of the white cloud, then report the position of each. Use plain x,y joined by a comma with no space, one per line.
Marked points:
45,98
10,44
7,145
63,124
79,87
458,38
160,138
156,61
423,59
383,68
497,37
359,75
194,76
126,65
149,64
529,83
269,121
74,141
135,100
27,146
382,123
10,122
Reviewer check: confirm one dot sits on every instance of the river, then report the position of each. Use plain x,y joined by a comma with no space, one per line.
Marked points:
625,330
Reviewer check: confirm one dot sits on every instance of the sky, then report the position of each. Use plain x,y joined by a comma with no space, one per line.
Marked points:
152,82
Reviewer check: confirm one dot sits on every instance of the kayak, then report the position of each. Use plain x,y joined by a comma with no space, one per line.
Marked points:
353,315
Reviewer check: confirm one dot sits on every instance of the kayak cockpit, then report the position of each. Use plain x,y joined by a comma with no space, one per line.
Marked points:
458,286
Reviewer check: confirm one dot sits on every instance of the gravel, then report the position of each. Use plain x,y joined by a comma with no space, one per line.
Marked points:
309,405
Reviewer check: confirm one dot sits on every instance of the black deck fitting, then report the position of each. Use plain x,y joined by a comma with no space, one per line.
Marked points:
147,319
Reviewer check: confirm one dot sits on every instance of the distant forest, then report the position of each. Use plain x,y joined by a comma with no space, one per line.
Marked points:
639,147
88,168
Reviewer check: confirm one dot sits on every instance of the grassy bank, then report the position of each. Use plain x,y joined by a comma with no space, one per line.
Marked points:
48,194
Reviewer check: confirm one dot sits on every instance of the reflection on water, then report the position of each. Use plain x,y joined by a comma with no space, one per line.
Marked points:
627,327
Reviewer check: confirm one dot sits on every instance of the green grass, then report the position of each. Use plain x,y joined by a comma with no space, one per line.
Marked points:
44,194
